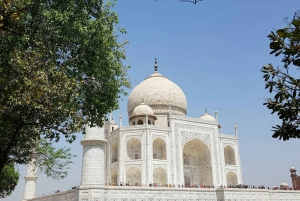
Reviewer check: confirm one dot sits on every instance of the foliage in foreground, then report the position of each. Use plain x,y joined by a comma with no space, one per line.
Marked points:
9,180
60,68
283,82
53,162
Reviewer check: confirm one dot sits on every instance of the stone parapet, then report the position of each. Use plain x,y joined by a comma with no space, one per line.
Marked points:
228,136
85,142
192,119
30,178
116,193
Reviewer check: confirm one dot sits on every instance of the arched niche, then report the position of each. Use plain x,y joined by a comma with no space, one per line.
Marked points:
160,176
114,152
229,155
140,122
197,163
231,178
133,176
159,149
114,177
133,149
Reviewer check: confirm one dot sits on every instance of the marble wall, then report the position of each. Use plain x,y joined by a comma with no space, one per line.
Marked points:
124,193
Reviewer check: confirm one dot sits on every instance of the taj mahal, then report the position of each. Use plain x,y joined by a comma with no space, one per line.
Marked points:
162,155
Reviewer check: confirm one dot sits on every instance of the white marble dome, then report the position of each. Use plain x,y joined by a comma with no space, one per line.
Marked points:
292,168
142,110
284,185
207,117
159,93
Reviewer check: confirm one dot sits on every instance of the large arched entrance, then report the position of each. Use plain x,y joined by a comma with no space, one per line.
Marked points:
197,163
160,176
133,176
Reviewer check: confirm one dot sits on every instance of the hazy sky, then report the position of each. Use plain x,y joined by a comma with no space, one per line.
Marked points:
213,51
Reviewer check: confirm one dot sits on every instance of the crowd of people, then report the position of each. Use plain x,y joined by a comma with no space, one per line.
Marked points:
161,185
197,186
58,191
185,186
246,186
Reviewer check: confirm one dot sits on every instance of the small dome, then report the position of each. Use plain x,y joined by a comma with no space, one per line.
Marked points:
292,168
142,110
207,117
284,185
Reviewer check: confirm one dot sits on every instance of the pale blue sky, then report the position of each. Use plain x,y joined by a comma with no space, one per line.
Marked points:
213,51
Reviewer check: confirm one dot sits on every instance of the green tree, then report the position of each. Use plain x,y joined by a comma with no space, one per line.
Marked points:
60,68
53,162
9,180
283,82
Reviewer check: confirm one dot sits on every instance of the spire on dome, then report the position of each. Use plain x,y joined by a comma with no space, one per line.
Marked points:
155,65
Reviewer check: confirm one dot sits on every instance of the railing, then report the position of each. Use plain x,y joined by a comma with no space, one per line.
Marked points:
144,127
228,136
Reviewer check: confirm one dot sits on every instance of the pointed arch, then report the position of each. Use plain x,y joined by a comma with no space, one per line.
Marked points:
229,155
114,152
160,176
231,178
159,149
133,149
114,177
133,176
197,163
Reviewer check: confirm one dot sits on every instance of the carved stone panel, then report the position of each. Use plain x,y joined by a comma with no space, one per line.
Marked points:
186,136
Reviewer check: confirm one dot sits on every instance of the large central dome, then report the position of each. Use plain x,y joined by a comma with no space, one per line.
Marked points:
159,93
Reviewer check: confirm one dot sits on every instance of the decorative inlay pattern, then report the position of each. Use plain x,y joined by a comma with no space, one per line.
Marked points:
186,136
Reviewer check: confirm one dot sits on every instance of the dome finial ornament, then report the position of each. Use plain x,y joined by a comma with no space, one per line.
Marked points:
155,65
205,110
